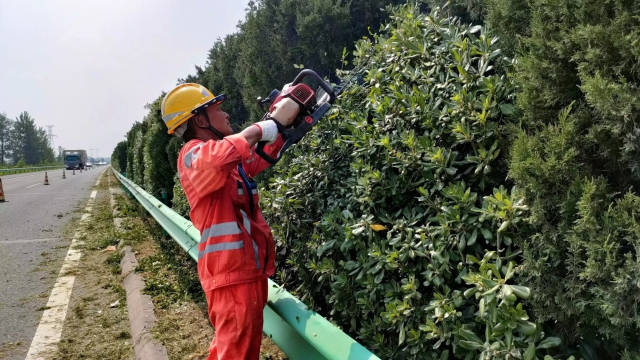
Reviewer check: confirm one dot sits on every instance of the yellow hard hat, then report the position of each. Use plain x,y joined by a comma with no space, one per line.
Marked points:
184,101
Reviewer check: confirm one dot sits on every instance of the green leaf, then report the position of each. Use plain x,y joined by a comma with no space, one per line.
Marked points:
549,343
473,259
350,265
326,246
522,292
469,335
486,233
444,355
504,226
491,291
526,327
472,238
507,109
470,345
379,277
470,292
488,283
530,353
475,29
402,335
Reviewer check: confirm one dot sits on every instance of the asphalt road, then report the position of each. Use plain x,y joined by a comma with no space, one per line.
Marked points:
33,246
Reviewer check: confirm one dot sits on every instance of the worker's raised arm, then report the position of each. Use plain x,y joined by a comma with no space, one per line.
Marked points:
259,164
207,165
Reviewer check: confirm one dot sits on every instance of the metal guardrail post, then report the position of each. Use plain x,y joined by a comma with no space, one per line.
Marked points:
299,332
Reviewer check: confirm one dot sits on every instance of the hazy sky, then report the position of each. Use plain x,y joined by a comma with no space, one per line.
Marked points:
89,67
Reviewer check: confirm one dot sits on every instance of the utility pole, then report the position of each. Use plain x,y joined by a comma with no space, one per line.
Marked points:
50,135
94,159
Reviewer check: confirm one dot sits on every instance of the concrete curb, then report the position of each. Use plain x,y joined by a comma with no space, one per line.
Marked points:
140,310
139,306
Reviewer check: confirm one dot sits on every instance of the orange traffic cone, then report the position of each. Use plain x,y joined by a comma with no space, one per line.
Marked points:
64,175
46,179
1,192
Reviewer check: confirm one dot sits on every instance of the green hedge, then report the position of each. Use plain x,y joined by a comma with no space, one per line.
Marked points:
577,156
119,157
158,173
391,215
137,168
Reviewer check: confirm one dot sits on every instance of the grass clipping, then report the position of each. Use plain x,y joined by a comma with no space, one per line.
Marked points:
97,325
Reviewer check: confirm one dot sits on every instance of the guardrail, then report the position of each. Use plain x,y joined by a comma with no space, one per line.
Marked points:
28,169
299,332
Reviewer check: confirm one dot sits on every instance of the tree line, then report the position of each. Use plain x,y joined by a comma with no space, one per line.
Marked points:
475,196
313,34
22,142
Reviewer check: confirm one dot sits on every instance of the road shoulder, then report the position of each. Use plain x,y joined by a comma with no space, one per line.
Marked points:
97,326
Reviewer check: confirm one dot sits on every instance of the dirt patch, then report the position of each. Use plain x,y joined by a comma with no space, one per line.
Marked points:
176,329
171,279
10,348
97,325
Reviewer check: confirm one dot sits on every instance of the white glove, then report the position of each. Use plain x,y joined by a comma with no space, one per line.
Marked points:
269,131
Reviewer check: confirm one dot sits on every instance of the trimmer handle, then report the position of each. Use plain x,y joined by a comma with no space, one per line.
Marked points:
307,72
261,144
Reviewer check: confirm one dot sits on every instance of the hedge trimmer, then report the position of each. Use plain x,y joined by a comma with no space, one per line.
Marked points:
313,105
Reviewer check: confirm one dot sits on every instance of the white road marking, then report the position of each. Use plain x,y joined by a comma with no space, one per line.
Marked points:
22,177
49,330
30,186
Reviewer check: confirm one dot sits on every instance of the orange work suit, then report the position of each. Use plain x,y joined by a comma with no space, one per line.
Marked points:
236,253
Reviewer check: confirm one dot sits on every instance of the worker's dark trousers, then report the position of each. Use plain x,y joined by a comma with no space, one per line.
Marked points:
236,313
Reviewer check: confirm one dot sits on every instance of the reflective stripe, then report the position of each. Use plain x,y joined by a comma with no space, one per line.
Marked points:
241,191
228,228
255,251
245,221
247,225
190,156
220,247
171,116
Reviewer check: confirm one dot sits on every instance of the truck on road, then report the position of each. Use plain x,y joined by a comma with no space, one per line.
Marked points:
74,159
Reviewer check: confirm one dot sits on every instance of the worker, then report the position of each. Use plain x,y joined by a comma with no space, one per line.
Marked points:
236,253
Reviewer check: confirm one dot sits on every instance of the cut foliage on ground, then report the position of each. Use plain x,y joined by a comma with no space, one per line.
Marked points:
97,325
